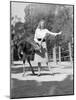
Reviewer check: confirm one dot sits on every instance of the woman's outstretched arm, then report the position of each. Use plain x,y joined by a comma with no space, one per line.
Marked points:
52,33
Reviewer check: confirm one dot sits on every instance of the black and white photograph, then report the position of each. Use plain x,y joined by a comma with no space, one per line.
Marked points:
41,49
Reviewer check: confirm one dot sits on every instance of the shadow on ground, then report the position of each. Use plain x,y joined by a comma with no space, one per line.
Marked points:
31,88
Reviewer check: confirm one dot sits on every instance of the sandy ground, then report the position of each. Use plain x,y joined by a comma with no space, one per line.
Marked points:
56,81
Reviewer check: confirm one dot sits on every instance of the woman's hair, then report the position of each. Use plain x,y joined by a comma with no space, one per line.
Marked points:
41,22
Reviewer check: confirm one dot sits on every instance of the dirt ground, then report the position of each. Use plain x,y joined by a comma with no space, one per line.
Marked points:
56,82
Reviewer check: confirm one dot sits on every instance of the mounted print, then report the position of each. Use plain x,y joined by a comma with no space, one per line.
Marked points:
41,49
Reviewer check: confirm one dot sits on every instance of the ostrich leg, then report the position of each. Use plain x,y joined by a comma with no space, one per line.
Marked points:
39,66
24,67
31,67
24,60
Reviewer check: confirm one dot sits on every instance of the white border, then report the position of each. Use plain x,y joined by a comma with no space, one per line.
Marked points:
5,48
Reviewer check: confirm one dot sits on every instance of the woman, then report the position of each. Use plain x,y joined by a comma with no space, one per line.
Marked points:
40,33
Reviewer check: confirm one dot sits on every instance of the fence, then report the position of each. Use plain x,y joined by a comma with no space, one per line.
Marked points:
60,53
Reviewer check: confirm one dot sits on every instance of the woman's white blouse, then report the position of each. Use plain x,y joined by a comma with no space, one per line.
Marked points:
41,33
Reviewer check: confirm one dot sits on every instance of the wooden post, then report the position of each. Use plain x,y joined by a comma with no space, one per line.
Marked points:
12,55
12,51
70,52
59,54
54,54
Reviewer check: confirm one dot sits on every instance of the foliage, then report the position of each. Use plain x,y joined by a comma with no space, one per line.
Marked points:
55,22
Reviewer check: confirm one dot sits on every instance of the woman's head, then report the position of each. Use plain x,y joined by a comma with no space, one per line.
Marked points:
41,24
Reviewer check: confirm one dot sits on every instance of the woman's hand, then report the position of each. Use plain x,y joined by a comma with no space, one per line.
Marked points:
59,33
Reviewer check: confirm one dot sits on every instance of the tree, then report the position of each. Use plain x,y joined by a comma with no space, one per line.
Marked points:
55,22
17,31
